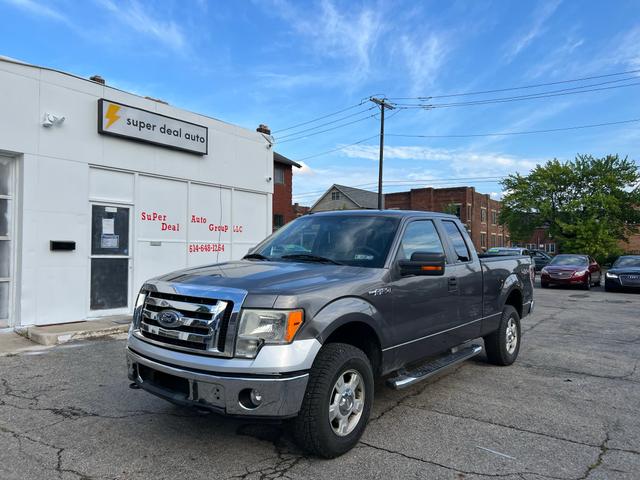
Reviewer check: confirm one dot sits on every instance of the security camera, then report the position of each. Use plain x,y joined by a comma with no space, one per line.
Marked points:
50,120
268,179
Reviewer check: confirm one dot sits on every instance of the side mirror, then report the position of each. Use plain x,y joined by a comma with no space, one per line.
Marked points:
423,263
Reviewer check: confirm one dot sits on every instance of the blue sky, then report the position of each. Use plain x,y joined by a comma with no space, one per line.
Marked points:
285,62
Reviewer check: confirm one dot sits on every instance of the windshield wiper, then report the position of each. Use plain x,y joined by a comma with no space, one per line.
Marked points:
310,258
255,256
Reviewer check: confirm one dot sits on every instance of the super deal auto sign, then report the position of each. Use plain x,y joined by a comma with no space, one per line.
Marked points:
141,125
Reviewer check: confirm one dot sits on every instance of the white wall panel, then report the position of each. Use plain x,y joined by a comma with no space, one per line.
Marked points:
161,209
111,185
250,223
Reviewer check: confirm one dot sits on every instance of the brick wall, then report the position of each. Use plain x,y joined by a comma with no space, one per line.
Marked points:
282,194
483,228
633,244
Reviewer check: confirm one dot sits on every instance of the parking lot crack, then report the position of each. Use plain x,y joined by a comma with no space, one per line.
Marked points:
457,470
511,427
598,462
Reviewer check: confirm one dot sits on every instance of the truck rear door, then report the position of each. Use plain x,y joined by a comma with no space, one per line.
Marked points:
464,280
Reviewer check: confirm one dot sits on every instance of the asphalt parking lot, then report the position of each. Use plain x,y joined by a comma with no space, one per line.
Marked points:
568,409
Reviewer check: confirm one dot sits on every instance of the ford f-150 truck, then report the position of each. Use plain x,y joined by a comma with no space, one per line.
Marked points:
303,324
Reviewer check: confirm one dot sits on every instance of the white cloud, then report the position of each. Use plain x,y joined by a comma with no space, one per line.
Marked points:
39,9
134,15
423,58
350,36
460,161
537,28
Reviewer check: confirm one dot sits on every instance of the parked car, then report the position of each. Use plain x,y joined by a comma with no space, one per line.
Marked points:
506,251
571,269
624,274
540,258
301,326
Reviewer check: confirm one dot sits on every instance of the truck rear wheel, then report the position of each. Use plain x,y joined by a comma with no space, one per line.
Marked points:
337,402
503,345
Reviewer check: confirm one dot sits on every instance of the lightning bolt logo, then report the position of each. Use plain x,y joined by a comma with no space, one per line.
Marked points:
112,114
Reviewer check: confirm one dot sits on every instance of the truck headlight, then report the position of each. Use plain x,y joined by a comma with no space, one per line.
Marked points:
260,327
611,275
137,310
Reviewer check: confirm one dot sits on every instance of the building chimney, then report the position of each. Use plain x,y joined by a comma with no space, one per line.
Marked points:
97,79
262,128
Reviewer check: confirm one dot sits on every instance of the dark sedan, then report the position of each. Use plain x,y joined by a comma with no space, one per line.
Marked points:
624,274
570,269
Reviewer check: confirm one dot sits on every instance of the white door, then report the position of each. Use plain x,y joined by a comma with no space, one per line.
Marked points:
7,237
110,259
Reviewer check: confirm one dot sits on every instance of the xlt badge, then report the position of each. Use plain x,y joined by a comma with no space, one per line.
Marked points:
380,291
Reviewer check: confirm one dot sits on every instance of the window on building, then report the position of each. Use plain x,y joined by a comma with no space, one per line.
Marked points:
500,240
551,248
278,221
278,174
483,239
469,213
483,214
335,195
457,240
454,209
420,236
494,217
493,240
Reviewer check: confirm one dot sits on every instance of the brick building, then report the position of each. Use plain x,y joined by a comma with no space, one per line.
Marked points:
283,210
540,240
632,245
477,211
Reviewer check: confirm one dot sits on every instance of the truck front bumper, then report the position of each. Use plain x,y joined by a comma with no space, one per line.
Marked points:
266,396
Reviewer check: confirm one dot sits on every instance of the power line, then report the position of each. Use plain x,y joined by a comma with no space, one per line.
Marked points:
528,132
523,87
325,124
336,149
321,117
326,130
512,99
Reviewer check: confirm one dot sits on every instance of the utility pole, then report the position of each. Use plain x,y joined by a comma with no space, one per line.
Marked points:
384,104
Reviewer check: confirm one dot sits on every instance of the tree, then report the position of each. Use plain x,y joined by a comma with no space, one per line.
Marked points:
589,204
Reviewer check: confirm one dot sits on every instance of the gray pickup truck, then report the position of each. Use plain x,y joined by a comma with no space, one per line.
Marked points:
303,324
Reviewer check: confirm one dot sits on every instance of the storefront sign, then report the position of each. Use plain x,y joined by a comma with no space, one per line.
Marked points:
144,126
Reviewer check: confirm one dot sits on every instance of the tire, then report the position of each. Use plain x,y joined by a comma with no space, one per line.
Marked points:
587,284
499,350
312,428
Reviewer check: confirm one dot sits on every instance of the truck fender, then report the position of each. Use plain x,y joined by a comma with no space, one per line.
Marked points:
491,321
340,312
511,284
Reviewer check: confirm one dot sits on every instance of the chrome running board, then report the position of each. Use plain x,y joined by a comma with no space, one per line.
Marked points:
406,378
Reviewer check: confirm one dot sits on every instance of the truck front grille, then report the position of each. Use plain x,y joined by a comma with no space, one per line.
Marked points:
185,322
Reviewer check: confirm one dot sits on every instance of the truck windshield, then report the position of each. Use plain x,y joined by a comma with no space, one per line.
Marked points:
357,240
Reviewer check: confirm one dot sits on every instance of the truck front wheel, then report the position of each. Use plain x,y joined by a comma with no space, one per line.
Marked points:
503,345
337,402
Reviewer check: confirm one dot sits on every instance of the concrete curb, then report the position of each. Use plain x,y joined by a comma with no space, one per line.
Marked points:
58,334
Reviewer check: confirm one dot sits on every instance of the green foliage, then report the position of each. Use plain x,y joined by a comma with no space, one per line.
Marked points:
589,204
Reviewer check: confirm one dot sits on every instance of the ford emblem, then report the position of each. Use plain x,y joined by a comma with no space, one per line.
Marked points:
169,318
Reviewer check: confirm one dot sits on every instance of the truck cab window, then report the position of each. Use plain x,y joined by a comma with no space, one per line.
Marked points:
420,236
457,240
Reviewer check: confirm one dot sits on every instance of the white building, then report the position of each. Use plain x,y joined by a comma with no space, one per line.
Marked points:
101,189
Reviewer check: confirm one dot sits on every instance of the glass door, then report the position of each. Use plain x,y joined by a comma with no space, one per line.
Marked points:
6,238
110,259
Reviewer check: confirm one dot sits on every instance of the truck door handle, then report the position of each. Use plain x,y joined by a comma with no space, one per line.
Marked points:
453,284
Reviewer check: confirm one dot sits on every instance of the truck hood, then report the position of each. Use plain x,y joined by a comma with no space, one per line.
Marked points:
271,277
